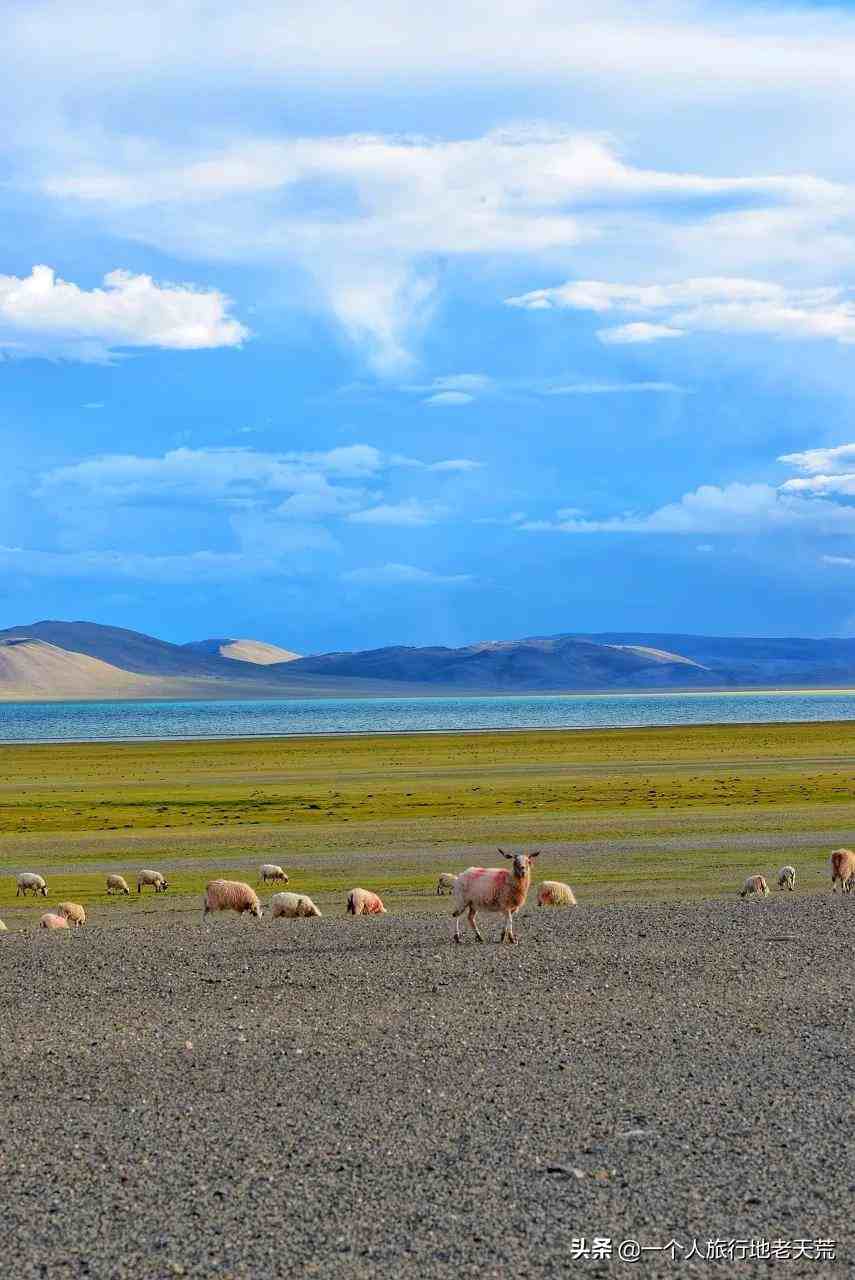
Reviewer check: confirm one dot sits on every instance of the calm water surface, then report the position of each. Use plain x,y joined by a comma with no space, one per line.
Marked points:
105,721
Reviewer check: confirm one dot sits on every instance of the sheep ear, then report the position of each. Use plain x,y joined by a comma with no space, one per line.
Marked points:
536,853
505,855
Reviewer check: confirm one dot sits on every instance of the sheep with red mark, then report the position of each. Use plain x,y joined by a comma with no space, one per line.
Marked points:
445,883
554,893
493,889
50,920
117,884
362,902
73,912
787,878
29,882
231,895
270,871
842,870
755,887
291,906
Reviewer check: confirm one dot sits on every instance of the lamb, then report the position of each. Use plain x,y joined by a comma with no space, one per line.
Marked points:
29,882
494,890
754,887
52,921
787,878
153,878
270,871
843,870
117,884
553,893
292,905
362,902
445,881
231,895
73,913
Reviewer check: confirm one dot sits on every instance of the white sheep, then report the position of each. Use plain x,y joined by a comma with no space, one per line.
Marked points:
153,878
231,895
290,906
117,884
52,921
270,871
2,927
445,883
842,870
754,887
494,890
73,912
787,878
554,893
362,902
29,882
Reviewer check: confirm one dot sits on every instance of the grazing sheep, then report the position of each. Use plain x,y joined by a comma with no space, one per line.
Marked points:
554,893
73,913
754,887
362,902
231,895
52,921
154,878
29,882
3,927
787,878
117,884
445,882
270,871
842,870
292,905
493,890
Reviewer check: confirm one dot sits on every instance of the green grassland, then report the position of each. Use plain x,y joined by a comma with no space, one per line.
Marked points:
651,813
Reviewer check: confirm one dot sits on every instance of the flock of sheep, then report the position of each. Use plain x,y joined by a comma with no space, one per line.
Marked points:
496,890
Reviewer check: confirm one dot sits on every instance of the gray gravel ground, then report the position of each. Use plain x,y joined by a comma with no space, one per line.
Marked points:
359,1098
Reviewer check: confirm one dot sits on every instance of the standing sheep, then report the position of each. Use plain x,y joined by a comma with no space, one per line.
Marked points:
73,912
290,906
117,884
755,887
154,878
842,870
445,883
787,878
270,871
231,895
29,882
52,921
493,890
362,902
553,893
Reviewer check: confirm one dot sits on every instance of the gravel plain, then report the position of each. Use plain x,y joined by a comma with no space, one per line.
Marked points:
360,1098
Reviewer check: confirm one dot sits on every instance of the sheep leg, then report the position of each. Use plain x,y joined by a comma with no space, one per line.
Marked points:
471,918
508,931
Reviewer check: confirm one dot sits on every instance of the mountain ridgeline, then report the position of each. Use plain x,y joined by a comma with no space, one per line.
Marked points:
85,659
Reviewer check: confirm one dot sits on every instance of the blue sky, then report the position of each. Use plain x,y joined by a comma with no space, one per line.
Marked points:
340,327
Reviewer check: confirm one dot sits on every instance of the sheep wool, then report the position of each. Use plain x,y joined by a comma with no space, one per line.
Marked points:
445,883
231,895
787,878
290,906
493,889
73,913
152,878
754,887
842,870
117,884
362,902
553,893
2,927
270,871
29,882
52,921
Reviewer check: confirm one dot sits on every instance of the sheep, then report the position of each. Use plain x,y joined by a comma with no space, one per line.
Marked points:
270,871
493,890
231,895
362,902
3,928
787,878
292,905
28,881
73,913
842,870
445,881
52,921
153,878
553,893
754,887
117,884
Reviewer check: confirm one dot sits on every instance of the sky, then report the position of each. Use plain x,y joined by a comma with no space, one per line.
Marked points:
341,326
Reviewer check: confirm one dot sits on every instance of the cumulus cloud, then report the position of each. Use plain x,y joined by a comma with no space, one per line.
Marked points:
43,315
704,305
403,575
837,460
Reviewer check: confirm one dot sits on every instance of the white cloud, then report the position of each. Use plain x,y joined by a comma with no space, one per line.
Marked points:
842,485
845,562
705,305
449,398
189,569
411,512
44,315
403,575
456,464
614,388
834,461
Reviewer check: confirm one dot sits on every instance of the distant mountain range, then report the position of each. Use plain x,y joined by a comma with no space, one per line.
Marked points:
87,660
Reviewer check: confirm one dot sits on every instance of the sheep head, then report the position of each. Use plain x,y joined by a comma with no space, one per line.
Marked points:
522,862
